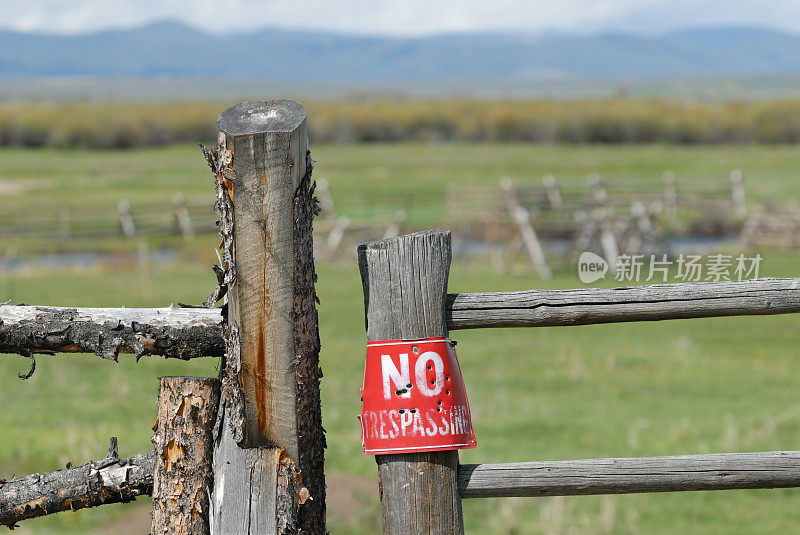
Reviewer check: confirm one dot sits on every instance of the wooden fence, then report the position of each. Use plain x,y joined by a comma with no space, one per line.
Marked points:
182,217
241,454
405,295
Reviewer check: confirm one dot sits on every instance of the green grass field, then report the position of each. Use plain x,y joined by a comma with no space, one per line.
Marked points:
83,179
688,386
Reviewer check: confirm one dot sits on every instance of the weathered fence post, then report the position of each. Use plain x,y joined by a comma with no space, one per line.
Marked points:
553,194
326,205
336,235
126,222
405,288
522,218
183,440
272,429
182,218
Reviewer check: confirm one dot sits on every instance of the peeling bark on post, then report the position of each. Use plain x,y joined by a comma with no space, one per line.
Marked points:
405,287
270,397
182,333
110,480
187,409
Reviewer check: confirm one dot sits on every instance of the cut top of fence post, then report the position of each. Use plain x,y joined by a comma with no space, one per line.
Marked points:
260,116
401,302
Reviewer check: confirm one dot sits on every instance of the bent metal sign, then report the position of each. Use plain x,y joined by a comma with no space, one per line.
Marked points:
414,398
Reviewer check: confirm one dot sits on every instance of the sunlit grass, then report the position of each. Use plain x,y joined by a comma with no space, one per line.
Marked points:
685,386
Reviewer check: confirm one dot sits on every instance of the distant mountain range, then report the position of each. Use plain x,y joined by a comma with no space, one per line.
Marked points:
174,50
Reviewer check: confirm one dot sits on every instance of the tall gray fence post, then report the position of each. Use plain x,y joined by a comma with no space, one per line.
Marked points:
268,462
405,289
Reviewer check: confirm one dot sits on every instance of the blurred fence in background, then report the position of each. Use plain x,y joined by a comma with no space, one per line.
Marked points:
544,221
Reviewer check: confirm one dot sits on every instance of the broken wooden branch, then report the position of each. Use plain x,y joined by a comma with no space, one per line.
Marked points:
187,410
110,480
106,332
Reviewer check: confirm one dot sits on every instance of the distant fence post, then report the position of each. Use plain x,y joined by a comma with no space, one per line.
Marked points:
553,194
522,218
182,218
405,288
126,219
268,462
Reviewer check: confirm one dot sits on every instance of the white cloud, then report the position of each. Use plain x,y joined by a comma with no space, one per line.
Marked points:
406,17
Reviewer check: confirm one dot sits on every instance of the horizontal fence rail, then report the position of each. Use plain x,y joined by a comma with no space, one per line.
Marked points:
547,308
720,471
197,332
172,332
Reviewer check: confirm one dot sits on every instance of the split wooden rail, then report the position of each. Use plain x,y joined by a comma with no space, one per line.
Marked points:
405,296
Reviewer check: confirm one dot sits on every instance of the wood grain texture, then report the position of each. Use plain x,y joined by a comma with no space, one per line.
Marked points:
172,332
721,471
271,377
584,306
268,145
187,410
405,285
245,484
257,491
109,480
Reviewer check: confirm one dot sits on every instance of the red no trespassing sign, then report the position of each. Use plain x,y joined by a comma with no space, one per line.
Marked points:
414,398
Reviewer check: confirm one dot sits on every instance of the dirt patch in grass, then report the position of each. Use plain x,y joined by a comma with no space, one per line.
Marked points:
352,500
18,187
136,519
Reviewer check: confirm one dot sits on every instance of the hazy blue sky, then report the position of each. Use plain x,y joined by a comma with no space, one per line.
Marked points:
410,17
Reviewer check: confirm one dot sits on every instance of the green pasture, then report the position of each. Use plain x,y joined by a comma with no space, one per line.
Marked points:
676,387
375,180
387,173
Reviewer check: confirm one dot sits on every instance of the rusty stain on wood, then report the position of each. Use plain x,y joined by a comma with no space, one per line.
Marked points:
260,387
273,365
